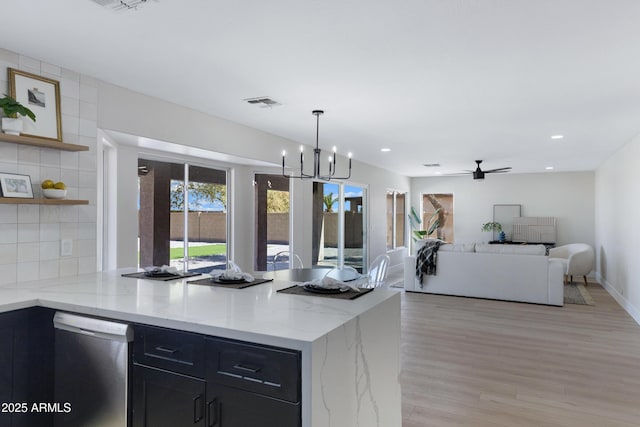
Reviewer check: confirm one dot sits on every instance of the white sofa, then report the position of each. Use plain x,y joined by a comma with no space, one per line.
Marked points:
504,272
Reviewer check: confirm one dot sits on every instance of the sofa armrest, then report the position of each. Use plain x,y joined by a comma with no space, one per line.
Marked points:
556,282
409,273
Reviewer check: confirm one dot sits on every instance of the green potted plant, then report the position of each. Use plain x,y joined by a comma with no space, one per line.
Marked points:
494,227
11,108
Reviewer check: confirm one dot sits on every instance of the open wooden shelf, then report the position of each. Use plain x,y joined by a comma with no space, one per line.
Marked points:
39,142
21,201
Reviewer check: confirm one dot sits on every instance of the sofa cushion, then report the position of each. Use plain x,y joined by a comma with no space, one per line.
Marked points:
511,249
458,247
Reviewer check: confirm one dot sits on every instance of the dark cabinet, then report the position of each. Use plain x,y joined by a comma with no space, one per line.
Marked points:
184,379
231,407
161,398
26,366
252,385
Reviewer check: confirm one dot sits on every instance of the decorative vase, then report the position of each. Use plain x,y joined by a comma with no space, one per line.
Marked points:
502,236
11,126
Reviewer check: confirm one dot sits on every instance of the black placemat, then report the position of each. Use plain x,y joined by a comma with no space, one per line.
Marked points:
350,294
141,275
208,282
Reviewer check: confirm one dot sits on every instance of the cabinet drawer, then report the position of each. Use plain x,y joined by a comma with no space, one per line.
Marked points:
266,370
175,351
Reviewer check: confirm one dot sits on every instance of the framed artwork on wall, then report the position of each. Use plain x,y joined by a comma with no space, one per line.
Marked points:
42,96
14,185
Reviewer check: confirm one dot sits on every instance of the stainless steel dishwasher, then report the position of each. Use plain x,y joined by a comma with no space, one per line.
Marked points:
91,370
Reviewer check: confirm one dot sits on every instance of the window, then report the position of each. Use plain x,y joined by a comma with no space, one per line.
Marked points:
395,219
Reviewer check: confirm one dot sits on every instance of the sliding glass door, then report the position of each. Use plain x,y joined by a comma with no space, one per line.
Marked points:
338,225
182,216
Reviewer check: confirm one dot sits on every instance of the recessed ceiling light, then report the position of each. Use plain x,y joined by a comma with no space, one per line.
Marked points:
557,136
385,150
549,168
438,173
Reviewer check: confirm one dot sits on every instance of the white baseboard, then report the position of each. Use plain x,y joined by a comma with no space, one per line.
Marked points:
624,303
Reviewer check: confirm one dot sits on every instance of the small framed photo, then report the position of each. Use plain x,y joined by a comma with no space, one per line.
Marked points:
42,96
14,185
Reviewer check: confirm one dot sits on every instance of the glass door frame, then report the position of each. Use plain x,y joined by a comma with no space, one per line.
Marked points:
341,221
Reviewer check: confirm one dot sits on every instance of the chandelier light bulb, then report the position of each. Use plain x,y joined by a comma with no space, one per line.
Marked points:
316,159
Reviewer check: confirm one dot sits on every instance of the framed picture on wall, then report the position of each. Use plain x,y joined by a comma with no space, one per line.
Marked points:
42,96
14,185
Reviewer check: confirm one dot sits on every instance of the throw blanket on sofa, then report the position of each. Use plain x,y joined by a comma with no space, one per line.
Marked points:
426,259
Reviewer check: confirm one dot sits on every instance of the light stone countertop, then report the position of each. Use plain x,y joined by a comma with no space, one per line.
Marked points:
257,314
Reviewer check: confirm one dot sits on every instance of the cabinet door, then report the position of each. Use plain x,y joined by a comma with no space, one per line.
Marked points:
230,407
161,398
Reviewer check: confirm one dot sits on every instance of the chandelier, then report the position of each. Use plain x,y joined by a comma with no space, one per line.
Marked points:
316,159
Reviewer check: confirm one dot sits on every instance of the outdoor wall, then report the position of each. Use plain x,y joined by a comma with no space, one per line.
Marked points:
352,229
618,226
30,235
212,227
570,197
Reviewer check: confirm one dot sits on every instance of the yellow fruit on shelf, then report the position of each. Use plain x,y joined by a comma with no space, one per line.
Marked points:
60,186
47,183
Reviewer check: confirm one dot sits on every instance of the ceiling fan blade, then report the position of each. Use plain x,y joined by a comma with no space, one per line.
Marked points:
507,169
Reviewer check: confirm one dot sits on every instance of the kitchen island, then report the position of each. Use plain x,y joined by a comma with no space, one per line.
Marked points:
349,348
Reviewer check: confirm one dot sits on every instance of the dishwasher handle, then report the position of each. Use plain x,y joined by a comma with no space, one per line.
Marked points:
98,328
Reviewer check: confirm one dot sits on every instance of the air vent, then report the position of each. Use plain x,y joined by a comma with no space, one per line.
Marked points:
120,5
431,165
262,102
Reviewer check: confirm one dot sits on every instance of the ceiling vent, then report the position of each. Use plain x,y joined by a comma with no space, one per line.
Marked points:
121,5
431,165
262,102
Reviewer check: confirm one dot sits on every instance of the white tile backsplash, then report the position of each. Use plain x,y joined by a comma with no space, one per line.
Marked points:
87,230
86,247
28,271
28,252
49,250
8,233
49,214
68,267
8,274
49,232
50,157
49,269
8,214
70,106
69,177
28,154
8,253
86,265
68,214
69,230
8,152
28,214
69,160
30,235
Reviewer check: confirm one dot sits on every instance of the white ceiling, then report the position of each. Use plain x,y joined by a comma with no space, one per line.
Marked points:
437,81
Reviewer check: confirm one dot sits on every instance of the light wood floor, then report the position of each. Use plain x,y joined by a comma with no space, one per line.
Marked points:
472,362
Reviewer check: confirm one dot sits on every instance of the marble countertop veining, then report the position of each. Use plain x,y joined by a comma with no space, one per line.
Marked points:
257,313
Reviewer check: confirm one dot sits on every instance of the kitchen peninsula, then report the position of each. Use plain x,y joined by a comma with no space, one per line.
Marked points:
349,349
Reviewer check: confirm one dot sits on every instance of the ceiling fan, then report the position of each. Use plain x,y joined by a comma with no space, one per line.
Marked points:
479,173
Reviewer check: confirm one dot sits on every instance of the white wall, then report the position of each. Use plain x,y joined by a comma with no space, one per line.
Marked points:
30,235
137,114
570,197
618,226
